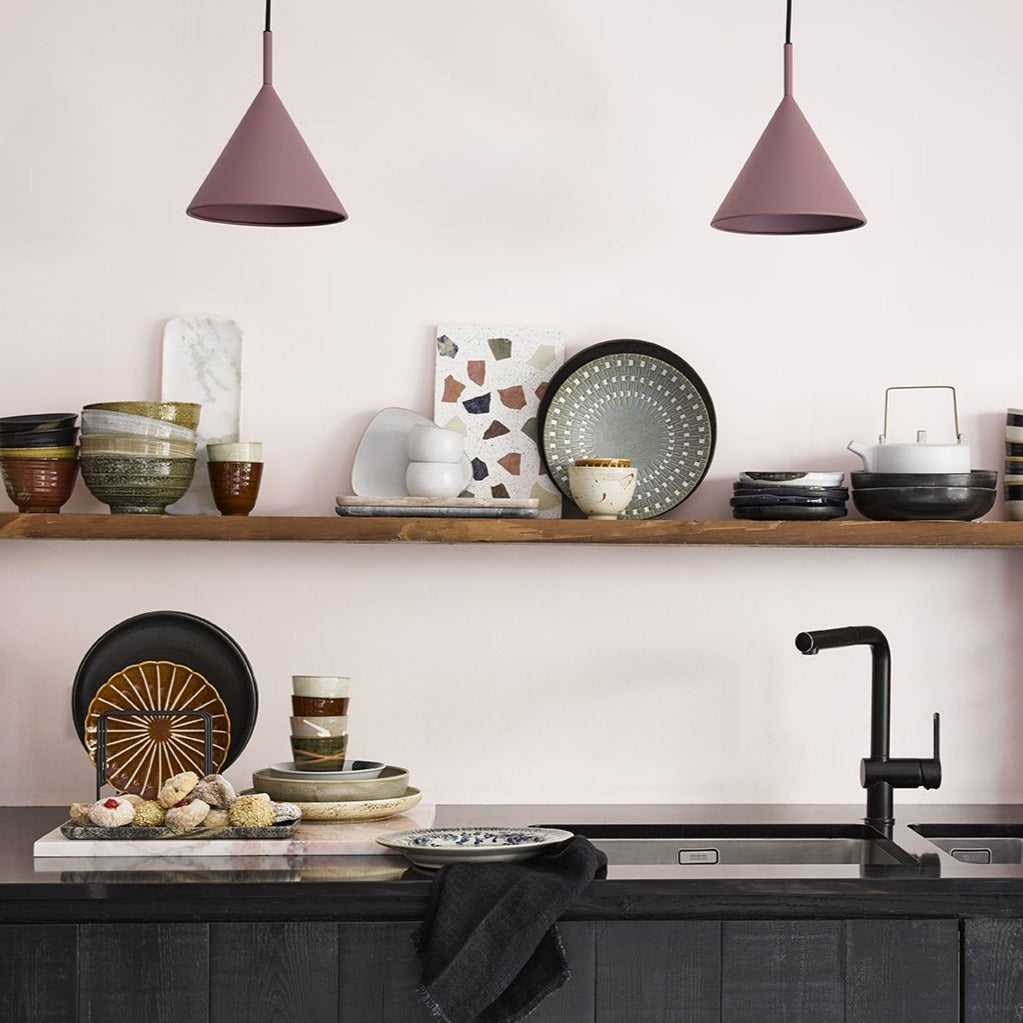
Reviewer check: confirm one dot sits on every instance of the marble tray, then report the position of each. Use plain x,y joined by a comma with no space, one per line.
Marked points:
86,832
357,838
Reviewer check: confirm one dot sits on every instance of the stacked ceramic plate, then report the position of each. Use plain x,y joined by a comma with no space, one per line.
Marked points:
924,496
1014,463
362,790
808,496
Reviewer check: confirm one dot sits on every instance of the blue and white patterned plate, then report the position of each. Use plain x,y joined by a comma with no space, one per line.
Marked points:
434,848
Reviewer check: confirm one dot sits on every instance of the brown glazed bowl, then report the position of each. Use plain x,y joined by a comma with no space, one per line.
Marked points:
235,486
319,754
39,484
319,706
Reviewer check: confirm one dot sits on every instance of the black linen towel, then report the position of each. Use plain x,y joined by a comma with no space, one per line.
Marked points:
490,946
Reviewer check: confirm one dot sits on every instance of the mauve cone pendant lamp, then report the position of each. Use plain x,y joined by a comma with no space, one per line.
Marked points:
266,176
789,184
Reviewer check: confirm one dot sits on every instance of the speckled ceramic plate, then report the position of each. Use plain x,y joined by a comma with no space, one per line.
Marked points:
181,639
142,751
353,770
391,783
634,400
434,848
359,809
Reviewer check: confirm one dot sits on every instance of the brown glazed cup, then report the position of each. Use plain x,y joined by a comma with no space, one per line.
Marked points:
235,486
319,754
39,484
319,706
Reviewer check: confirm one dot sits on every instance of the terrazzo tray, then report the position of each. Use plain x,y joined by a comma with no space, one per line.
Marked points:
85,832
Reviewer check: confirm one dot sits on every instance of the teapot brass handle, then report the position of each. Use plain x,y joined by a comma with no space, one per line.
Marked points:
923,387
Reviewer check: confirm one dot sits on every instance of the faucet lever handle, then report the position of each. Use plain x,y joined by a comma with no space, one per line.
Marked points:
930,770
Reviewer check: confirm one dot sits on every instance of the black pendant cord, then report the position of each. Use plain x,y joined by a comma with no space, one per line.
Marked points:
268,15
788,20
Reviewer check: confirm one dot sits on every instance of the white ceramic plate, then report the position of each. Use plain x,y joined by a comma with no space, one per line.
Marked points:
434,848
381,459
352,770
359,809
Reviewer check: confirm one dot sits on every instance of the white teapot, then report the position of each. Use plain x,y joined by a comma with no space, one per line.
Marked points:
918,457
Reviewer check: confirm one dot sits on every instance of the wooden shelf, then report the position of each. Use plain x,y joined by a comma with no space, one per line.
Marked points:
676,532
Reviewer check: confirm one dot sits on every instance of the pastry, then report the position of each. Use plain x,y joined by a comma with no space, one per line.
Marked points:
149,814
253,811
286,812
186,816
111,813
177,788
216,790
79,813
216,818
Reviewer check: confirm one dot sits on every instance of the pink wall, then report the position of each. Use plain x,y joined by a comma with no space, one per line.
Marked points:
555,162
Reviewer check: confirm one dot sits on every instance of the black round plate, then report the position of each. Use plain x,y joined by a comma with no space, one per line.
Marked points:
786,501
184,639
783,513
778,490
636,400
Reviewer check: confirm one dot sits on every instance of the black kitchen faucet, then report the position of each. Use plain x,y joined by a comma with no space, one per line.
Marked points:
879,773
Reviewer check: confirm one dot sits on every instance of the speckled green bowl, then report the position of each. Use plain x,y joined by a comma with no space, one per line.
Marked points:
181,413
137,485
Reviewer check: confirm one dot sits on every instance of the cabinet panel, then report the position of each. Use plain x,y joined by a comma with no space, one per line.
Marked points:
902,971
274,972
38,976
153,972
782,971
992,971
658,972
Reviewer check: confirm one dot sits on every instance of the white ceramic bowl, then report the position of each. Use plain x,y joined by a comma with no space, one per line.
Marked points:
331,687
319,727
434,444
434,479
106,422
250,451
1014,434
602,492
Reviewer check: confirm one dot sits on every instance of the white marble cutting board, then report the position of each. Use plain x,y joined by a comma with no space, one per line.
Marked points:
202,361
312,839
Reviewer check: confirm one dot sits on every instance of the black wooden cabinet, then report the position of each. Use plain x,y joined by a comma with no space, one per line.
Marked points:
992,971
668,971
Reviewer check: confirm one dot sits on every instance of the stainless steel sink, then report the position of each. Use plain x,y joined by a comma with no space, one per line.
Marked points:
976,843
709,845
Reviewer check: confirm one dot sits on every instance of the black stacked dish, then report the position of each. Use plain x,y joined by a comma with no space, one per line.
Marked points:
806,496
923,496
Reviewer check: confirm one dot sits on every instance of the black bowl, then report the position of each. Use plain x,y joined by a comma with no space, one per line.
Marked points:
905,504
40,438
982,478
1013,418
1013,492
37,421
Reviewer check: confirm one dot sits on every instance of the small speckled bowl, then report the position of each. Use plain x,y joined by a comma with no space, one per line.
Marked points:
181,413
137,485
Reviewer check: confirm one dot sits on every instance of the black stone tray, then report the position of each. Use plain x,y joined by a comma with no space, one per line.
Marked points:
128,833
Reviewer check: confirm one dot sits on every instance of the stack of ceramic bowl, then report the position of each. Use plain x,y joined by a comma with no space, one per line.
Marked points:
1014,463
924,496
807,496
139,456
319,724
39,460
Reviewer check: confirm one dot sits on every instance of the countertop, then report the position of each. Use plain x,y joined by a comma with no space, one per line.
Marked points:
385,887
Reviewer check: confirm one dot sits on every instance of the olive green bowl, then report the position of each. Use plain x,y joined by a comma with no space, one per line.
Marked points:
181,413
392,782
136,484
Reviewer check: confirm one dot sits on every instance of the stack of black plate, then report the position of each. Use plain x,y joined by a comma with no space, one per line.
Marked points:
809,496
924,496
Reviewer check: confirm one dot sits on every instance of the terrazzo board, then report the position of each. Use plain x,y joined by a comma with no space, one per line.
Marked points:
310,839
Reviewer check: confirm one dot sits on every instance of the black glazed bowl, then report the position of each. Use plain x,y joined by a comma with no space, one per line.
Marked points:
907,504
976,478
37,421
1013,450
62,438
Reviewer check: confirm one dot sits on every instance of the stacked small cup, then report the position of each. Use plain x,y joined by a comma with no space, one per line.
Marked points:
319,724
435,466
1014,463
235,474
